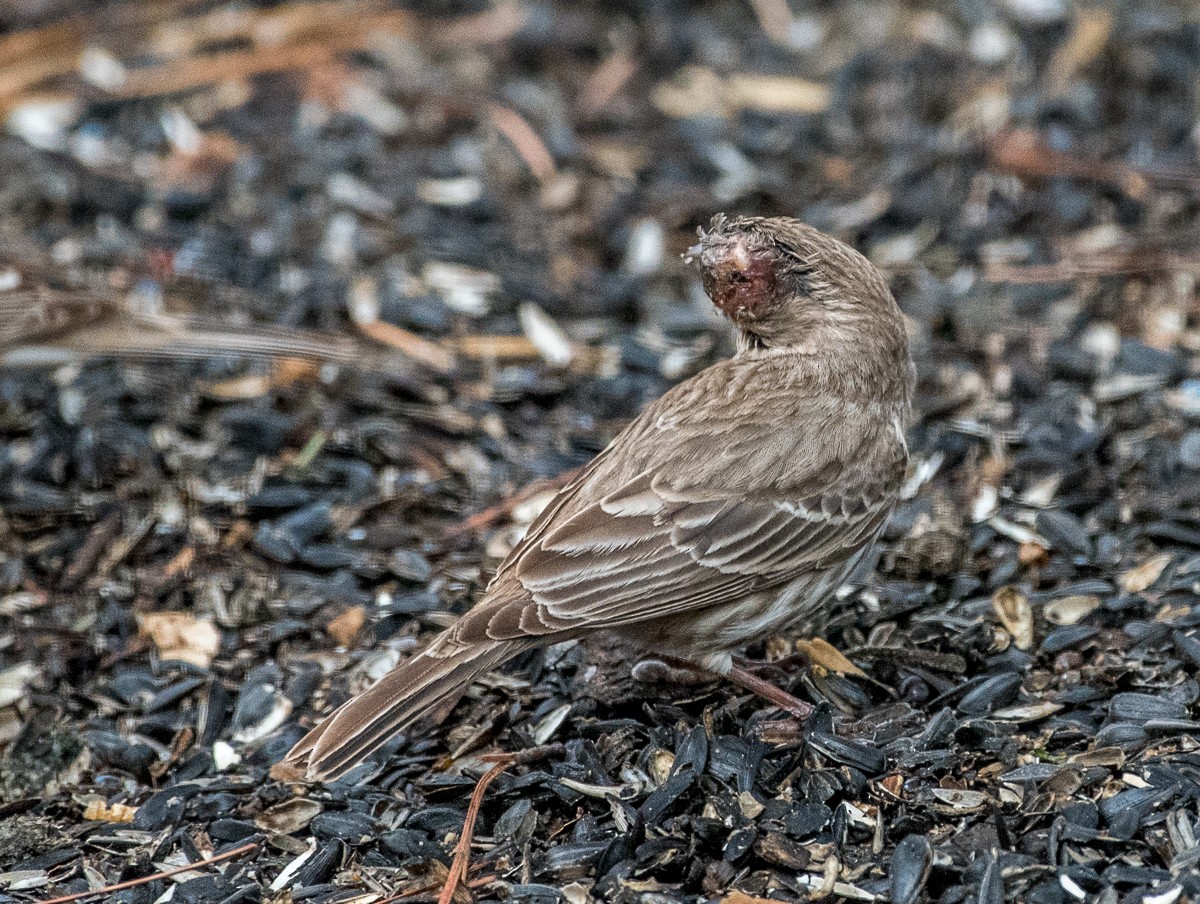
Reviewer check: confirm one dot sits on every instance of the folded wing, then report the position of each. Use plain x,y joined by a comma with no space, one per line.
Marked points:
681,537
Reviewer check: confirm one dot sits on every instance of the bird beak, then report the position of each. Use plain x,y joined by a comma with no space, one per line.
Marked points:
712,247
691,257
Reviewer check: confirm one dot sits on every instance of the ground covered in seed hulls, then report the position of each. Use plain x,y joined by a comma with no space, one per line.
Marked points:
299,299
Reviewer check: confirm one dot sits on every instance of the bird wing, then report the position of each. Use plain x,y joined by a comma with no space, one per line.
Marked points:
716,508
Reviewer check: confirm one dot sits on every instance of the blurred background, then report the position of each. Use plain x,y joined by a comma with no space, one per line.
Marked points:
437,166
306,307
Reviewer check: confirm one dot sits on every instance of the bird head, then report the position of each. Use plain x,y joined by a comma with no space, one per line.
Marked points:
783,282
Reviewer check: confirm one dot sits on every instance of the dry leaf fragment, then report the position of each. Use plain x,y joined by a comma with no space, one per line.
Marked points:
525,140
660,766
893,784
607,81
1141,577
699,91
1027,712
288,817
1113,757
97,810
1013,609
823,654
960,799
1033,554
1089,35
1070,610
238,389
181,636
750,805
345,627
576,893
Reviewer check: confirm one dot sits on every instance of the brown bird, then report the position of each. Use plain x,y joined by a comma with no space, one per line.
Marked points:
731,509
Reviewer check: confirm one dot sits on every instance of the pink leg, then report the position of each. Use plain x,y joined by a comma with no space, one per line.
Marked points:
770,693
751,682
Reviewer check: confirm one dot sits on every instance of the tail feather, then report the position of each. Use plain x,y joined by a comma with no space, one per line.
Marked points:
414,689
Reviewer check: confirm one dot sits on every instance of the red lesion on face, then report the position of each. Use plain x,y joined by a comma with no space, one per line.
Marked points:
741,279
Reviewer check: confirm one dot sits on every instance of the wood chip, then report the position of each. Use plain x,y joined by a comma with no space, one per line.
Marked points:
97,810
345,627
1070,610
1141,578
777,94
524,139
1013,609
182,636
431,354
699,91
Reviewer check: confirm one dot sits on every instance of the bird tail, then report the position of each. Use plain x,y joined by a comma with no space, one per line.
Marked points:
414,689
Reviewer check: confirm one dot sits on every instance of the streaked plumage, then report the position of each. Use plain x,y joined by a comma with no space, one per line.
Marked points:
730,509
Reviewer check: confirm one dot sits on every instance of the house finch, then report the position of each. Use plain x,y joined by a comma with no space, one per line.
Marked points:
731,509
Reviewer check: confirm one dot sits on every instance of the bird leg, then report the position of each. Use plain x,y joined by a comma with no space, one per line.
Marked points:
751,682
769,692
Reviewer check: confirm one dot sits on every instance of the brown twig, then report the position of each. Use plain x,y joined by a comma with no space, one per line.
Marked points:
102,534
1113,262
524,139
300,38
348,33
204,69
1022,152
494,348
165,874
64,36
462,851
431,354
606,81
